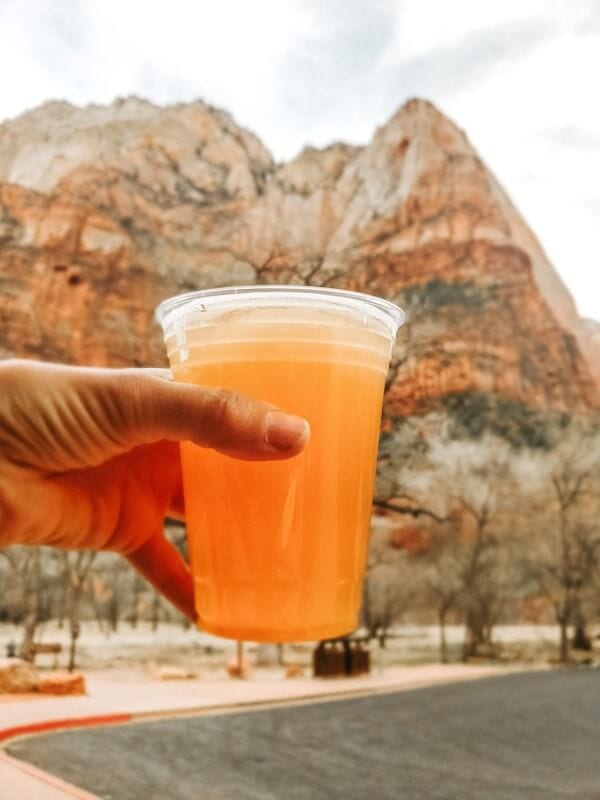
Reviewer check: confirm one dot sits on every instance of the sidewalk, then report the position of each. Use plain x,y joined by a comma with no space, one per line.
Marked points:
124,701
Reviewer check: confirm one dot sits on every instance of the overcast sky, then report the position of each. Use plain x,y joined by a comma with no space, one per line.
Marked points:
520,76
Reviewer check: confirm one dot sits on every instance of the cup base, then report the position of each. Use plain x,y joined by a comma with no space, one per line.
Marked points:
331,631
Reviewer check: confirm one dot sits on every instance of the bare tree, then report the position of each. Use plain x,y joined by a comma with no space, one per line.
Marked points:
592,592
587,537
478,593
29,592
298,268
12,597
156,610
29,575
135,604
39,584
468,484
76,570
441,582
567,554
389,589
117,589
176,533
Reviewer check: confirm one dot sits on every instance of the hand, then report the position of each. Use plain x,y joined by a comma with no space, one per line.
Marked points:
89,458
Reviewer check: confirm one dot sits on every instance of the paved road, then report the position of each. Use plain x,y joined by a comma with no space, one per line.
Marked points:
520,737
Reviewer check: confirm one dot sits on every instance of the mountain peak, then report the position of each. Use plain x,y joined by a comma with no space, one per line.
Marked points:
59,141
118,206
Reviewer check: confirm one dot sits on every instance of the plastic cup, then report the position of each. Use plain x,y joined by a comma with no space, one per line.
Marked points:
278,548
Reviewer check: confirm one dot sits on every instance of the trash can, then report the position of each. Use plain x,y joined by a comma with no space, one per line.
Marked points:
340,657
329,659
360,659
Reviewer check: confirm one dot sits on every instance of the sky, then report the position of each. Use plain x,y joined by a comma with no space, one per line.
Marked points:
519,76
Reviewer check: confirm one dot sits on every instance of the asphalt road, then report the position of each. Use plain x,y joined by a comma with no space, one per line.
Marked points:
534,736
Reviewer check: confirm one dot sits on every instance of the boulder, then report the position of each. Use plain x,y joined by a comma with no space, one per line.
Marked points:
238,669
62,683
17,676
294,671
170,673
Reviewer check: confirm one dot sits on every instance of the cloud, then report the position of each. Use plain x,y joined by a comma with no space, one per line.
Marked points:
231,53
519,76
587,20
446,70
571,137
328,87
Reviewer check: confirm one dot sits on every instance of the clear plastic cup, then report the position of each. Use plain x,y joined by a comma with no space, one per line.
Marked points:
278,548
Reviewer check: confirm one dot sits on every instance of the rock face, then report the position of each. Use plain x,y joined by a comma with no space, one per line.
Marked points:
104,211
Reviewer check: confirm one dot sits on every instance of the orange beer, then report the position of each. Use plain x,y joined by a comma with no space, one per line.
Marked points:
277,549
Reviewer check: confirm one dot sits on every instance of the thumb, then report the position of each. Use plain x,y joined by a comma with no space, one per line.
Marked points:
151,407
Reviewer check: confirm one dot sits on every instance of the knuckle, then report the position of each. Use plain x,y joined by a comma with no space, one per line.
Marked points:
221,407
16,372
133,399
115,403
16,383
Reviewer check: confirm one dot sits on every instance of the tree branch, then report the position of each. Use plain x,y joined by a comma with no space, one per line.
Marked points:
413,511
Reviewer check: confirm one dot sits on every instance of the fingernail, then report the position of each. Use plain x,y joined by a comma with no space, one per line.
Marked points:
285,431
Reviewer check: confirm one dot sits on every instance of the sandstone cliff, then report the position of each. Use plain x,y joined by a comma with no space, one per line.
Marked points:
104,211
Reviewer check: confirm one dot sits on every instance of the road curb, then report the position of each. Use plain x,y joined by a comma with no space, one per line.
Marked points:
47,726
67,723
315,697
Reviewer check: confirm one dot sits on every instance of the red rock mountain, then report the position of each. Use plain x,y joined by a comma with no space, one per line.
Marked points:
104,211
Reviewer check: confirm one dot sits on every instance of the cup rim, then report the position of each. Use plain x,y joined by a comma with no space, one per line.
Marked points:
174,309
